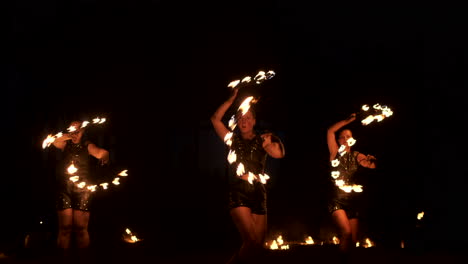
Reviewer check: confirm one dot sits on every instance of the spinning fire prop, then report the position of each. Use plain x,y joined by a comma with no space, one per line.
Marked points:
377,113
72,170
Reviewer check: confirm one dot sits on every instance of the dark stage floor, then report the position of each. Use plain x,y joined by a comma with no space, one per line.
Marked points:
134,253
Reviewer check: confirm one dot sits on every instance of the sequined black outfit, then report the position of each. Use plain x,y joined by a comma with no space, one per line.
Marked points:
348,201
69,195
242,193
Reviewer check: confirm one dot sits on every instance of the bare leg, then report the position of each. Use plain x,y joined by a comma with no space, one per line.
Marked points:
80,227
344,228
65,223
354,223
260,222
245,223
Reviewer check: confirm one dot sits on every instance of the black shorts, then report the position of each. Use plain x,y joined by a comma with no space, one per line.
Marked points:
350,204
253,196
73,197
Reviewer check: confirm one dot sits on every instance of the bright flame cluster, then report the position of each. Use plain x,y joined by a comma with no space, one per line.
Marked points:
51,138
335,174
366,244
420,215
244,108
280,244
129,237
259,78
380,113
72,170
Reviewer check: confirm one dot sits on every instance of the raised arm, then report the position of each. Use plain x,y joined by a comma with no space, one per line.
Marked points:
331,139
216,118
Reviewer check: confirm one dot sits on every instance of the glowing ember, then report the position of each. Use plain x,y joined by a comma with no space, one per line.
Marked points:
278,243
335,240
335,174
245,105
240,169
72,169
50,139
309,240
232,157
380,113
233,84
420,215
123,173
116,181
263,178
335,163
246,79
227,138
129,237
75,178
274,245
366,244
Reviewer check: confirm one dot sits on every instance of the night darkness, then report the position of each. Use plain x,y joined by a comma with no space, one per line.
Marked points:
157,71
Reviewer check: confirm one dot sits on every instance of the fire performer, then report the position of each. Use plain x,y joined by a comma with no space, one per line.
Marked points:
73,202
344,205
247,200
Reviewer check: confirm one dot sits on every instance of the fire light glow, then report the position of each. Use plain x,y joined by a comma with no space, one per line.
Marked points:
378,114
51,138
75,178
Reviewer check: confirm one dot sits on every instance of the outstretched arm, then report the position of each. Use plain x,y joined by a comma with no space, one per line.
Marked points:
331,139
216,118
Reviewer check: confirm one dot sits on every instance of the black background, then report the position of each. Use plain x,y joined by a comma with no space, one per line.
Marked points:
157,70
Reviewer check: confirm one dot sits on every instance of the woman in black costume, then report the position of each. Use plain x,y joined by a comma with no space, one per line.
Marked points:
247,195
344,206
72,202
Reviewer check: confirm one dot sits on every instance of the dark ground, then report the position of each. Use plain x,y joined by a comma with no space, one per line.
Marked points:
295,254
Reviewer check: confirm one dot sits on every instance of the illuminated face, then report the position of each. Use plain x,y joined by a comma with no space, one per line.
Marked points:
344,136
76,135
246,122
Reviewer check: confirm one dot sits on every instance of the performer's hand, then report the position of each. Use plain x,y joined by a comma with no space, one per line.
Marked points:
104,160
266,139
234,92
352,117
65,136
371,158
